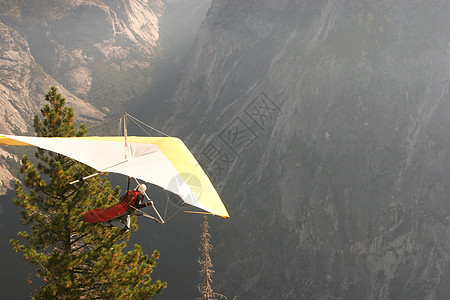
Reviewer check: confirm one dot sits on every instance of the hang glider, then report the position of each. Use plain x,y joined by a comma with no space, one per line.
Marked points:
163,161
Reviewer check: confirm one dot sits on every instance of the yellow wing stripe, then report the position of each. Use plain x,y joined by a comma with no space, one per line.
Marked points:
5,141
186,165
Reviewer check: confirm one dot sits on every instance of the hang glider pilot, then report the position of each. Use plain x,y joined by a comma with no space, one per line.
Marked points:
119,214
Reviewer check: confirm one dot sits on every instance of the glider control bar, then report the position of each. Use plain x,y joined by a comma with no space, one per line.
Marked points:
153,205
144,214
156,211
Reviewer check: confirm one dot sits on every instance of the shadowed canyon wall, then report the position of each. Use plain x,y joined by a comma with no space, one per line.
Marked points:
325,125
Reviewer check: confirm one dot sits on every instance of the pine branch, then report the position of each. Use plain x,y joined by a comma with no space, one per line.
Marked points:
80,237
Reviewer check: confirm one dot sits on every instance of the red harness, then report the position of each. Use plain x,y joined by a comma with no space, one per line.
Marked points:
129,199
102,215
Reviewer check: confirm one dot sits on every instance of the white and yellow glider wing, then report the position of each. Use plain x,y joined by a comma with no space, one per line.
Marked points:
163,161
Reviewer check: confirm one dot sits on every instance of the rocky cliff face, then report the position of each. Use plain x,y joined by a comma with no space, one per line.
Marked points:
22,91
325,125
91,47
98,54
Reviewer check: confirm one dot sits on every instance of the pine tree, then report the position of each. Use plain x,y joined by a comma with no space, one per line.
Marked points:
76,260
205,262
